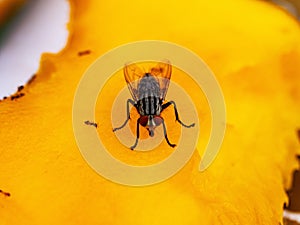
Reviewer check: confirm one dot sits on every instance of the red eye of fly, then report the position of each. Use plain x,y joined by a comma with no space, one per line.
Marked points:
158,120
144,120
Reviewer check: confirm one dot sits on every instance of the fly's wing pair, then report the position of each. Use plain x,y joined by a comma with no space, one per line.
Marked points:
133,74
161,72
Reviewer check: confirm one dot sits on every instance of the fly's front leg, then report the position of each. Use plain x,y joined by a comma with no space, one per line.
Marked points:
166,105
137,134
166,136
128,115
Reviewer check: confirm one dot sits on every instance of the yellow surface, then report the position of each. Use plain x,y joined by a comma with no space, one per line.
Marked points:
254,50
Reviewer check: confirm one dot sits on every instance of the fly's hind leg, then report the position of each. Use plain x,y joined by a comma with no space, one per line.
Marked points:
166,136
137,134
129,101
166,105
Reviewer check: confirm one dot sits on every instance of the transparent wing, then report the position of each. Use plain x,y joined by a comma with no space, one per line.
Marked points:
162,72
133,74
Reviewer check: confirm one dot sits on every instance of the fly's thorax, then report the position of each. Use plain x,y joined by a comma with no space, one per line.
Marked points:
150,105
148,86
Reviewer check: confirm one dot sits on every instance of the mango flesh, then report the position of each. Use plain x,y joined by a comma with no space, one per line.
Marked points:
254,50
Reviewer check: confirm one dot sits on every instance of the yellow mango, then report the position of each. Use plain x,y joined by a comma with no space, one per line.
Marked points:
254,50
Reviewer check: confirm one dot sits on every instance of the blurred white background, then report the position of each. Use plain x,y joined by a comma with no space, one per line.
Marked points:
39,27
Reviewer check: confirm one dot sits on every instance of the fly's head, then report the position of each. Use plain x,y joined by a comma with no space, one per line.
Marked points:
151,122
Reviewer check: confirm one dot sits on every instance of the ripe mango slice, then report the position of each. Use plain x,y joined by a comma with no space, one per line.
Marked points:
254,50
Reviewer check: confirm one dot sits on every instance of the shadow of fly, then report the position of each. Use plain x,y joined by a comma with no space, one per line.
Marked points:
148,91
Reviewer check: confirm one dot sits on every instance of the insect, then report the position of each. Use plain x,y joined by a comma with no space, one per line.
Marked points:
7,194
87,122
148,91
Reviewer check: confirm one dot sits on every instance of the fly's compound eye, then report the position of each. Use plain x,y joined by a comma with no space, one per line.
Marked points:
157,120
144,120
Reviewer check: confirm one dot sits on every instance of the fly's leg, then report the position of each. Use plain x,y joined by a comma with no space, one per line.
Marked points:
137,134
128,115
166,105
166,136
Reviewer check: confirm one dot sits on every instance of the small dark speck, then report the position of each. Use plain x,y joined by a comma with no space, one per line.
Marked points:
31,79
5,193
91,123
17,96
85,52
4,97
20,88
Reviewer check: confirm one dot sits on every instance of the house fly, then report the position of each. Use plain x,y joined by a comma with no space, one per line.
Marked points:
148,91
